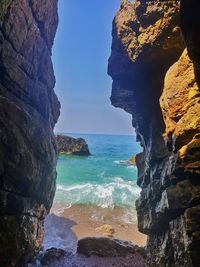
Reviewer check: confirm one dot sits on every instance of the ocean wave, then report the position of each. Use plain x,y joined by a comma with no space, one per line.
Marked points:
120,162
132,167
129,217
125,163
117,192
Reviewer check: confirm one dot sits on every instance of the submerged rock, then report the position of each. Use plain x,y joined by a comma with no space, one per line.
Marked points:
73,146
107,247
106,230
132,161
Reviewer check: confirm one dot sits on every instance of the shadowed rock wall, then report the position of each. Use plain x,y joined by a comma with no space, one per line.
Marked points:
29,110
156,81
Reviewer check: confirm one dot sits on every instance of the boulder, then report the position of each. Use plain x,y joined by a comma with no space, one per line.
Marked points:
51,255
74,146
107,247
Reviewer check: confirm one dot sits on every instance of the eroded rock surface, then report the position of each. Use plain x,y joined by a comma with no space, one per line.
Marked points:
99,256
72,146
156,81
107,247
29,111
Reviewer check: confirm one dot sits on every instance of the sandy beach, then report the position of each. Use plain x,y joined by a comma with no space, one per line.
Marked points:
63,227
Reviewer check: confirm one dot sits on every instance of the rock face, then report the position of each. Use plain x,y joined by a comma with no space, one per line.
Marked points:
73,146
156,79
107,247
93,252
29,111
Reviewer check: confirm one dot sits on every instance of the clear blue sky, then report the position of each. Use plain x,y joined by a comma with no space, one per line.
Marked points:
80,55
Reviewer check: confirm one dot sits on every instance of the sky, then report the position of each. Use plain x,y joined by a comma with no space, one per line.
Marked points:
80,54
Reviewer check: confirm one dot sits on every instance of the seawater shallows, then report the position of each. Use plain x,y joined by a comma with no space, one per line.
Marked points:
103,179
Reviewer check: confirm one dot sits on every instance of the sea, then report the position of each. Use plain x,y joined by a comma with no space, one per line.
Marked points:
104,179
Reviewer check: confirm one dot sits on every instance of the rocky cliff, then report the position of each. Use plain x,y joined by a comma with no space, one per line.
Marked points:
155,64
29,111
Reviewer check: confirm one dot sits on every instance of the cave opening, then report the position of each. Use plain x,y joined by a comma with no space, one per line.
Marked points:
154,65
96,175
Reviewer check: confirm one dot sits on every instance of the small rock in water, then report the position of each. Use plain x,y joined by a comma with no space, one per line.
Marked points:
132,161
106,230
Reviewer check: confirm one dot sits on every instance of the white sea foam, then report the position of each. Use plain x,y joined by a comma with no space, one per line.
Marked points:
129,217
131,167
74,187
126,163
117,192
121,162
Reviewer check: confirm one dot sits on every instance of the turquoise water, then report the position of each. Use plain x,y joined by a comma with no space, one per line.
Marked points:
104,178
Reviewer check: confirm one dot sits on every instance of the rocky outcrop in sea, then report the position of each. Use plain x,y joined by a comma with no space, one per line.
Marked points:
155,69
72,146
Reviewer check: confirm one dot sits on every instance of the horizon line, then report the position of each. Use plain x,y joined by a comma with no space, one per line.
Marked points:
63,132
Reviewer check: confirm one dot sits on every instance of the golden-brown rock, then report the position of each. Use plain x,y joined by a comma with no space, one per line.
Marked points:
106,230
155,80
180,102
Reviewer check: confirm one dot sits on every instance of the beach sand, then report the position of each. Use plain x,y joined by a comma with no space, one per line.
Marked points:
87,220
64,227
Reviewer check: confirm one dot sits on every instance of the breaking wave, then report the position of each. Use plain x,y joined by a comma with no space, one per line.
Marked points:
118,192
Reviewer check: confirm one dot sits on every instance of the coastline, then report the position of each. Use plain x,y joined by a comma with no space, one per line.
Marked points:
65,226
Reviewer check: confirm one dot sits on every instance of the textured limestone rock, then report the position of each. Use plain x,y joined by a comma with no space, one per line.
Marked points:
107,247
29,111
155,80
180,102
74,146
190,24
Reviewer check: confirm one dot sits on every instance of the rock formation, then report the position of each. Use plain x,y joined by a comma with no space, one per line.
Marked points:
132,161
29,111
106,230
107,247
94,252
74,146
156,79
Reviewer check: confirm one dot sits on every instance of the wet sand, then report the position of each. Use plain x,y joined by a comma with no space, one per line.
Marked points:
64,227
86,219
